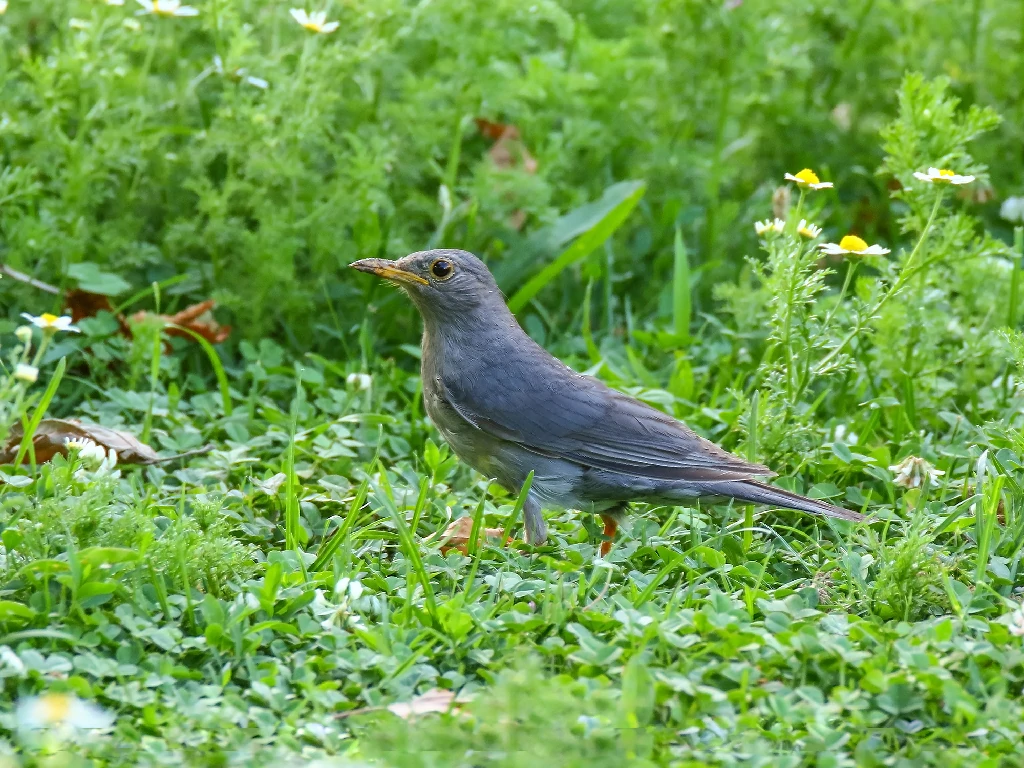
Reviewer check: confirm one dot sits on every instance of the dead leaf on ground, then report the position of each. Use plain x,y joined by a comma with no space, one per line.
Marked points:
434,700
51,434
508,151
456,535
83,304
271,485
197,318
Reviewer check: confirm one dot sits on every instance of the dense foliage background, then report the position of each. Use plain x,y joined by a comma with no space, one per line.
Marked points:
608,158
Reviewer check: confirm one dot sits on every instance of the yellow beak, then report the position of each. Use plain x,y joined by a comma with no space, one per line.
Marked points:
388,270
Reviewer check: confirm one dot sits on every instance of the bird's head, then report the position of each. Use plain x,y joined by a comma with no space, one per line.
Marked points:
444,284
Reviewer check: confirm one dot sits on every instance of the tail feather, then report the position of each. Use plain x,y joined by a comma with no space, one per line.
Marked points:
761,493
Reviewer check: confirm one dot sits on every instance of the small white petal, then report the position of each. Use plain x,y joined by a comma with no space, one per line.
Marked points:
26,373
832,249
329,27
873,250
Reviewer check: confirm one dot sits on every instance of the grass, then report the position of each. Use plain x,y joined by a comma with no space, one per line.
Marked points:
264,601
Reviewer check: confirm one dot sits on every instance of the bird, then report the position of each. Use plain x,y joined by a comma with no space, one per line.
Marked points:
507,407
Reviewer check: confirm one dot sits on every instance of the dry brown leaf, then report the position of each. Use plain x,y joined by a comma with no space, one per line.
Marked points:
434,700
83,304
197,318
271,485
51,434
508,145
495,131
508,151
456,535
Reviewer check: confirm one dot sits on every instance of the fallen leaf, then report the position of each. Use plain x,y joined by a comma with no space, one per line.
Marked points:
51,434
495,131
197,318
508,151
271,485
456,535
434,700
83,304
508,145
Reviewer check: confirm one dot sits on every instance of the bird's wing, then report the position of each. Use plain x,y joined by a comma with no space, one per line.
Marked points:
577,417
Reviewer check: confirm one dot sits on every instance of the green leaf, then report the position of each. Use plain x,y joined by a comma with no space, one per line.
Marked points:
12,611
594,223
681,309
94,556
94,280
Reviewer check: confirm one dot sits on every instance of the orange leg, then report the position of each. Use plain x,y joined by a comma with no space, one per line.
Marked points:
611,525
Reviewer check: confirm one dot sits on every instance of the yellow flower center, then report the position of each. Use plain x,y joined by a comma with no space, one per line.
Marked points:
55,707
311,26
853,244
806,231
807,176
47,318
944,172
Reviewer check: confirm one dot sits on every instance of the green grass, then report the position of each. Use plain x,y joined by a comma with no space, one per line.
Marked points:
263,603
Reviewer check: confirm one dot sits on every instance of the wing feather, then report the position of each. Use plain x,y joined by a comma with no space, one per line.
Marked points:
564,414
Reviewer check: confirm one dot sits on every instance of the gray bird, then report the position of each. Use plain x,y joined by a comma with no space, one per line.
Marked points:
506,407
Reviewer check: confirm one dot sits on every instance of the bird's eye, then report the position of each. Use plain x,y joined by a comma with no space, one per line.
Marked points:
442,269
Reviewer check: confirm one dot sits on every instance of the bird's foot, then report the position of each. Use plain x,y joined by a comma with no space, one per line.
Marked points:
611,525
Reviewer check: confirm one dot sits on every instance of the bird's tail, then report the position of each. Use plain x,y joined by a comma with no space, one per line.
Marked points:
761,493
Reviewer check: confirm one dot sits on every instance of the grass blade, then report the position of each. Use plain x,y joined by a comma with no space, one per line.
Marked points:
218,367
37,416
583,246
681,303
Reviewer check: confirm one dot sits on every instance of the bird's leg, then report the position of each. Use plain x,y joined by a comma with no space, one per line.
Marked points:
533,518
612,518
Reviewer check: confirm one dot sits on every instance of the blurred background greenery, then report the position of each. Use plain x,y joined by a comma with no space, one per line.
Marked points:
237,156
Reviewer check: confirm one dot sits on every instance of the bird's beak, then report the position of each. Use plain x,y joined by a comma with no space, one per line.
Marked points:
388,270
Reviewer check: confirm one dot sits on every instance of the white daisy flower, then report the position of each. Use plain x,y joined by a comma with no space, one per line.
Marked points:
61,712
943,176
10,661
808,230
808,178
347,588
166,8
314,22
89,453
50,323
362,381
1012,209
239,74
1017,622
3,7
26,372
852,244
769,226
912,472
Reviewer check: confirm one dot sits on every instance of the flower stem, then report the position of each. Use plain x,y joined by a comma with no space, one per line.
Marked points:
905,274
150,55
